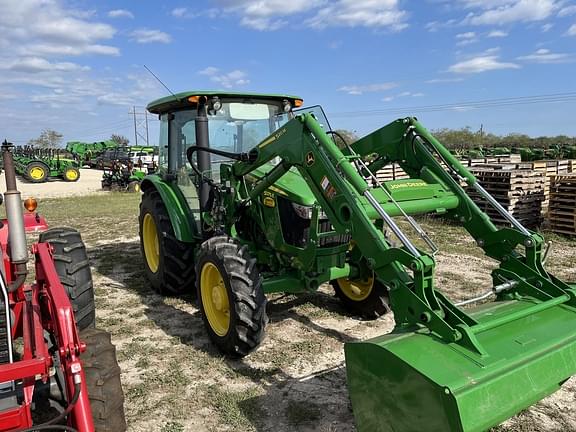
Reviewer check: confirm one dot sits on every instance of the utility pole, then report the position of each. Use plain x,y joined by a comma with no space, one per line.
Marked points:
135,129
140,126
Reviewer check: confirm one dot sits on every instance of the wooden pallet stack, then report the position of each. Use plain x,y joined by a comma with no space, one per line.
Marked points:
562,212
502,159
551,168
391,172
519,190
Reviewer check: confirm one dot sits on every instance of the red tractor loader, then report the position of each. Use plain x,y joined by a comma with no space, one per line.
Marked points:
57,371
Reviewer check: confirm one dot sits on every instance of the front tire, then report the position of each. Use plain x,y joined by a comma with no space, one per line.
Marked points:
73,268
367,298
103,381
231,296
169,263
71,174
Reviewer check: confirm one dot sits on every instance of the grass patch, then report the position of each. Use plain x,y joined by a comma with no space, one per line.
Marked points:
239,410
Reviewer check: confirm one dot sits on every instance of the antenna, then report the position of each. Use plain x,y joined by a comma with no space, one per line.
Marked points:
160,81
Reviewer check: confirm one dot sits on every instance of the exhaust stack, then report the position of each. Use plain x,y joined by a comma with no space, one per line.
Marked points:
17,235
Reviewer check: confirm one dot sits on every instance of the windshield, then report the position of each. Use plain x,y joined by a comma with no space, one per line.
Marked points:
236,127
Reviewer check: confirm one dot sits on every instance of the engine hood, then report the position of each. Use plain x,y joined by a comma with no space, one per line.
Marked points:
291,185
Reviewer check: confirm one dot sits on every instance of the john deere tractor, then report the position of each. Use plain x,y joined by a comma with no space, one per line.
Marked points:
253,196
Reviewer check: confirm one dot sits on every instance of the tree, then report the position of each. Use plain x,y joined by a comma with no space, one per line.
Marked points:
343,134
48,139
121,140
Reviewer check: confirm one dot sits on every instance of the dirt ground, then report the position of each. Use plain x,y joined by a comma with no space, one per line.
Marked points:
174,380
88,183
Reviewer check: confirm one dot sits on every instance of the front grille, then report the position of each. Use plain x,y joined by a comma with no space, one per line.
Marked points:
296,230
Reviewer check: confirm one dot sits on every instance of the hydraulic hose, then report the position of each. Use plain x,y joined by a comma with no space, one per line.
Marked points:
50,424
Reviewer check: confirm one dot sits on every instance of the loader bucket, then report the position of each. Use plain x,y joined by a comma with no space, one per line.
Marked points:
414,381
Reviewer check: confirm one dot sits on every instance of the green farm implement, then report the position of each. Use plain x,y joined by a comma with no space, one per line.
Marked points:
253,196
39,165
83,152
122,175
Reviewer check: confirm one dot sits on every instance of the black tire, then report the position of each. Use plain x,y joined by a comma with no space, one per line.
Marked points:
35,167
133,187
71,174
246,299
372,307
103,381
73,268
175,271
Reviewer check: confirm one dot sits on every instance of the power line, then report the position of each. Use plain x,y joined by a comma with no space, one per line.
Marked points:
480,104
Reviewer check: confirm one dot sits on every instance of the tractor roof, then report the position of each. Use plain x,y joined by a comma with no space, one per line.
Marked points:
181,100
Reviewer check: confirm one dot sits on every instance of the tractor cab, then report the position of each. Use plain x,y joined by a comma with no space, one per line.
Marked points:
227,121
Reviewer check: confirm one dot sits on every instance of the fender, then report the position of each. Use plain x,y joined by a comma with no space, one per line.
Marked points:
181,217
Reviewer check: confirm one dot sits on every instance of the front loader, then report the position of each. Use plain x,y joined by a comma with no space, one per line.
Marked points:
253,196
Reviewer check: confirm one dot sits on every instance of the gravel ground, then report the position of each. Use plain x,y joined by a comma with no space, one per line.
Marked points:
88,183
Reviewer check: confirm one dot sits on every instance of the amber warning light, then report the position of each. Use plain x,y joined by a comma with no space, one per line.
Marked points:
30,204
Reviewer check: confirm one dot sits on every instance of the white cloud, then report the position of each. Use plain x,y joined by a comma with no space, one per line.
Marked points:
508,11
46,27
37,64
120,13
572,30
497,34
547,27
443,80
145,36
268,15
546,56
466,38
567,11
467,35
480,64
69,50
369,88
401,95
361,13
235,78
180,12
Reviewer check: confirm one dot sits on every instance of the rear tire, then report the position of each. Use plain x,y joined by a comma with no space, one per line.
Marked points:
73,268
169,263
367,299
231,296
37,172
103,381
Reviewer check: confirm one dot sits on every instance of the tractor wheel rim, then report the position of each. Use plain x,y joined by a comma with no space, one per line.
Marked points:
357,289
37,173
215,299
71,175
151,243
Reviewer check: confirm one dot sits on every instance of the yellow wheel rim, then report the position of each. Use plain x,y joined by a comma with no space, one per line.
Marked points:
71,175
37,173
151,243
215,299
356,290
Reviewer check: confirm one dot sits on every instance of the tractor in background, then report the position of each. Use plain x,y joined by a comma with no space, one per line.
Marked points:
57,371
253,196
40,165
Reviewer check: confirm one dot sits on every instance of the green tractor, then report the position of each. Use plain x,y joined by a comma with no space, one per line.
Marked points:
253,197
39,165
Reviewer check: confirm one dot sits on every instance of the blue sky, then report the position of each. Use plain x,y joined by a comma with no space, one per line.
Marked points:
77,66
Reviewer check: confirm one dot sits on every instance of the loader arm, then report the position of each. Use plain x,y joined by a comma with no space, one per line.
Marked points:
345,196
472,370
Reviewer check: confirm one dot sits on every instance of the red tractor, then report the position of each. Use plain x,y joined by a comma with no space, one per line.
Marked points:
57,371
